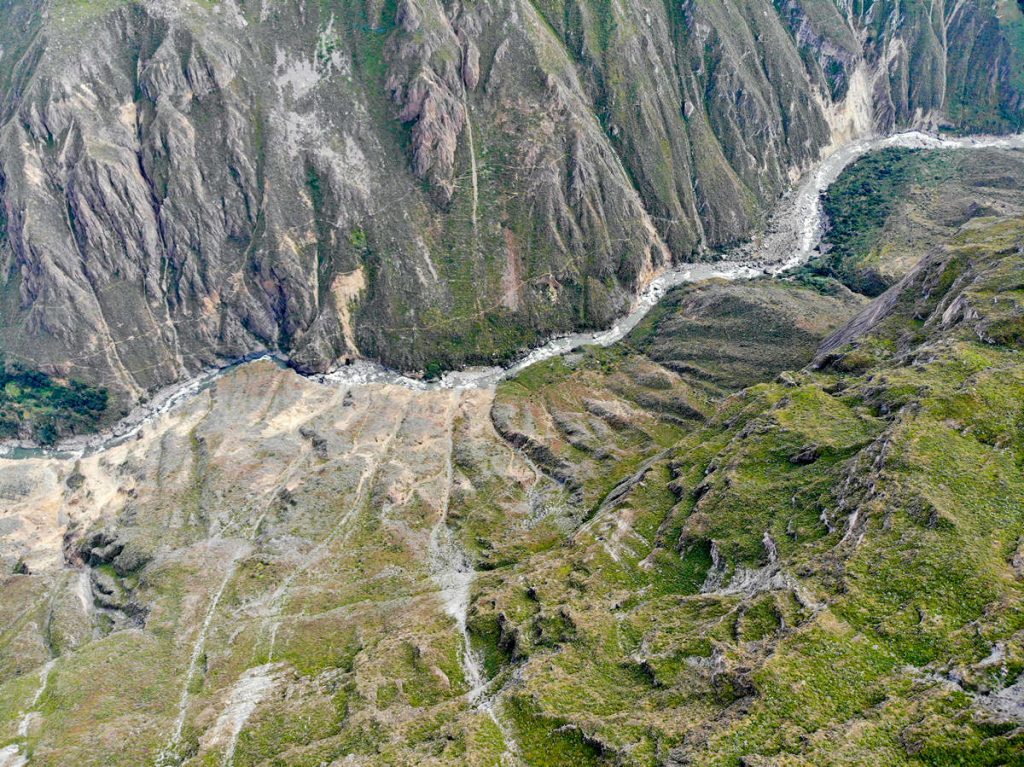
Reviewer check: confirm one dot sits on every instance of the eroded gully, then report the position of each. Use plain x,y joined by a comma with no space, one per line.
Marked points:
791,237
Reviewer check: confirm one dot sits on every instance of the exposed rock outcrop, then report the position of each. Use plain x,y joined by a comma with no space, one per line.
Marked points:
183,183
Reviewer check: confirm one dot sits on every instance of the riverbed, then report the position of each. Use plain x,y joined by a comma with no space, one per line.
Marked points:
793,233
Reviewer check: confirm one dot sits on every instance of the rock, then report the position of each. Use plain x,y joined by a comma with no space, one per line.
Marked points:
318,443
1017,561
471,66
130,560
786,378
222,169
806,455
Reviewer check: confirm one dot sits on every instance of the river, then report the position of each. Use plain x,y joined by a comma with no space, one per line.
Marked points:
793,232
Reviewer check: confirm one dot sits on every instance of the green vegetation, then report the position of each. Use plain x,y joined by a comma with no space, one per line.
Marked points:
857,207
723,336
863,518
859,203
711,544
889,208
548,743
37,405
70,14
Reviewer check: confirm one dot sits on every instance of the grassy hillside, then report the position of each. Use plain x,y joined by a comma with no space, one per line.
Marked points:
828,570
892,206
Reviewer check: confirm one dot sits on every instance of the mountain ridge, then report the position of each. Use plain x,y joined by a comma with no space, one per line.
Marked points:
424,185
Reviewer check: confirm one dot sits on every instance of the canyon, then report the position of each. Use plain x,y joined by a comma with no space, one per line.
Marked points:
511,383
616,554
425,186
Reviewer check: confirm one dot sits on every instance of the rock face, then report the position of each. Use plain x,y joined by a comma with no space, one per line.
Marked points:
426,184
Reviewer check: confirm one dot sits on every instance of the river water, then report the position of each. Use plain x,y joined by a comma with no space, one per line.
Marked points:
793,232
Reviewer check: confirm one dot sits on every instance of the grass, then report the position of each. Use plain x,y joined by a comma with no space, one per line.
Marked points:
916,446
72,13
546,742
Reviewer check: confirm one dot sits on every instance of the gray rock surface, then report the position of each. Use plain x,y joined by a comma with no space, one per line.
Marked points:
421,183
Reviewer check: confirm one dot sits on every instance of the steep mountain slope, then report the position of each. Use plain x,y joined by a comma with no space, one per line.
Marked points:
828,571
422,183
603,562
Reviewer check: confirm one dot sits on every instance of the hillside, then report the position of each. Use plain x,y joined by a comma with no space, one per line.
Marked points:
184,182
618,557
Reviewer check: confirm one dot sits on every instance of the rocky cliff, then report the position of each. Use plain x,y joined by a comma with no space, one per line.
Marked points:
424,183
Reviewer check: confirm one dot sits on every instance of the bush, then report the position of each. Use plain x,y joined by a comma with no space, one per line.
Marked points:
34,403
